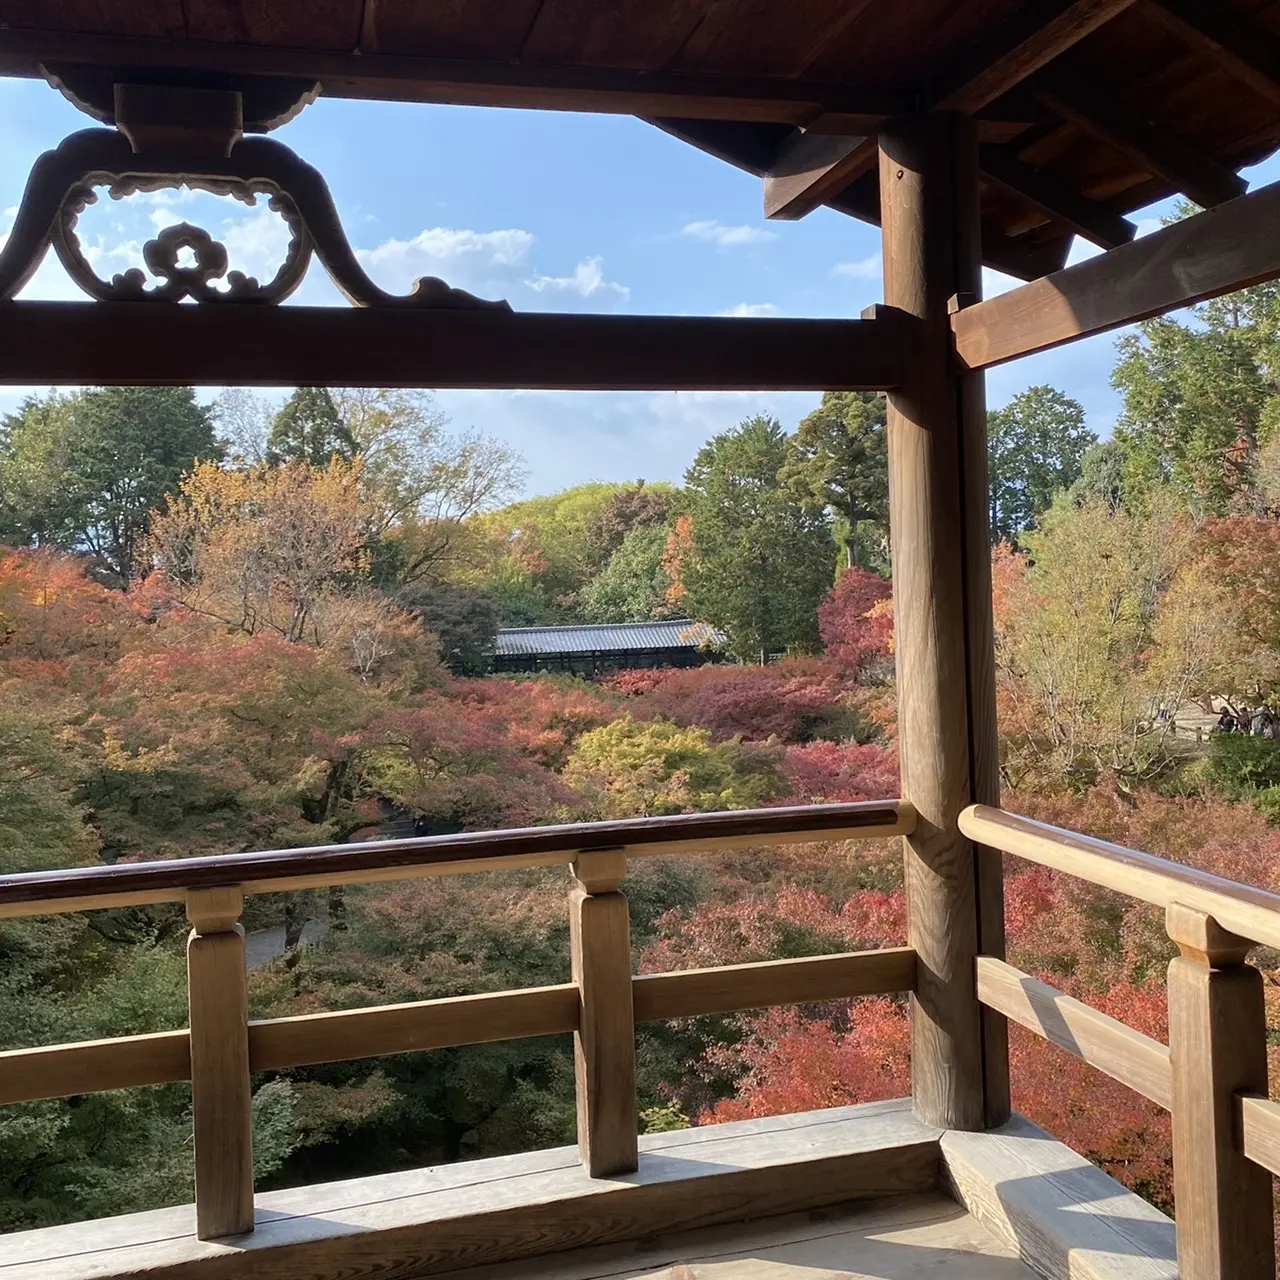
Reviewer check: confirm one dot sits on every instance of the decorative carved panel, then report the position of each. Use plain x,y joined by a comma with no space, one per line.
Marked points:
62,185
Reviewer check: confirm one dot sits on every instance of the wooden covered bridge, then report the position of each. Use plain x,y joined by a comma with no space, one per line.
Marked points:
973,131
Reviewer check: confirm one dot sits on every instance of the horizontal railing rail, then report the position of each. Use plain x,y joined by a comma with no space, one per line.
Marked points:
1212,1076
222,1048
1253,913
145,883
312,1039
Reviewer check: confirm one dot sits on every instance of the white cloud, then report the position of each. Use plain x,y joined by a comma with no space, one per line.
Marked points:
752,309
507,248
868,268
587,281
716,233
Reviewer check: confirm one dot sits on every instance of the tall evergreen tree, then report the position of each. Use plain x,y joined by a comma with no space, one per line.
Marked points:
1036,446
840,459
309,429
84,471
761,558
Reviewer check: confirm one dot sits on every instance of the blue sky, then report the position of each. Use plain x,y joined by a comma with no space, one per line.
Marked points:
554,212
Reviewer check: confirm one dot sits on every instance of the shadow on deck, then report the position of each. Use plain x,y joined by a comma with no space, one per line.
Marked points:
1004,1205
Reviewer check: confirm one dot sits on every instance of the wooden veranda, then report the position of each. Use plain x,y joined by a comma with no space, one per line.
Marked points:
987,131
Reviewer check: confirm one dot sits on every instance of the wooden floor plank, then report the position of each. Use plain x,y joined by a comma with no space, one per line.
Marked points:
902,1238
430,1221
1070,1220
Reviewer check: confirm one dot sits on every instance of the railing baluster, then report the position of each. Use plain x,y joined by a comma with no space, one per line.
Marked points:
220,1086
604,1046
1217,1038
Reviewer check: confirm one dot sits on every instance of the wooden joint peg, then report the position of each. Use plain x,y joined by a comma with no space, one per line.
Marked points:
1217,1041
221,1097
604,1045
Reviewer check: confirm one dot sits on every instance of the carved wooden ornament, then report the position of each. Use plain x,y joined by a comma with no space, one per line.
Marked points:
61,186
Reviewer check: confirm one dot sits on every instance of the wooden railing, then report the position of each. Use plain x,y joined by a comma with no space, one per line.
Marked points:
1212,1077
221,1049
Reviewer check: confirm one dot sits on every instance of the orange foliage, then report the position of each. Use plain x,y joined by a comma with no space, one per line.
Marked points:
50,610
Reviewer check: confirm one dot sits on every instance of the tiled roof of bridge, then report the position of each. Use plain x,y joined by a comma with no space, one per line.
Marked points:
617,637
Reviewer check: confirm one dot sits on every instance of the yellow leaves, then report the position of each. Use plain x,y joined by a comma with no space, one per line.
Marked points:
260,550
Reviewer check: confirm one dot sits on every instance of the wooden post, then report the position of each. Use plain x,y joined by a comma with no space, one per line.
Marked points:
220,1086
604,1045
1217,1039
941,592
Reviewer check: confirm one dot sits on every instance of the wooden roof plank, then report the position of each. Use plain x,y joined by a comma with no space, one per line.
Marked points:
1040,189
158,343
1218,251
1243,47
1163,153
465,82
808,170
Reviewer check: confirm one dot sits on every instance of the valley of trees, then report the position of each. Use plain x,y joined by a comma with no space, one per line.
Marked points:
233,626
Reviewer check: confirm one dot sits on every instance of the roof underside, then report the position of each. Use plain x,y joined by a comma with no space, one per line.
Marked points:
1087,109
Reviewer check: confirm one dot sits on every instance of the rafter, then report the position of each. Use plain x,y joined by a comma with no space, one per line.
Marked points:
1242,46
809,169
470,83
1164,154
1043,191
1218,251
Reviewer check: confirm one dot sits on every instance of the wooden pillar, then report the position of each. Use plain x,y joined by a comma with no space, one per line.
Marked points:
1217,1038
942,613
220,1087
604,1046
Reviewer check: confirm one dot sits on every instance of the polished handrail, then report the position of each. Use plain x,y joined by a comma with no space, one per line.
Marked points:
135,884
1243,909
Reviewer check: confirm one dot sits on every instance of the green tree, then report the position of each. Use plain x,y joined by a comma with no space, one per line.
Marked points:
309,429
1193,402
633,586
464,619
840,460
1036,447
761,558
84,471
639,506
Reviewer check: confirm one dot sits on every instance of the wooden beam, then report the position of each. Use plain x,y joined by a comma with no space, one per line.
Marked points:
929,202
731,988
94,1066
533,86
1259,1120
1137,1061
1219,251
134,343
1181,164
348,1034
1252,913
810,168
1031,39
1055,199
1239,44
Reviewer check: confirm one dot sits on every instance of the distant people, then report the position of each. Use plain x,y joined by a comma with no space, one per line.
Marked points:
421,827
1226,721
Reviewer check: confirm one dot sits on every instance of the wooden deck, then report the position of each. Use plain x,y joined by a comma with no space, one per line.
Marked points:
862,1192
904,1238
